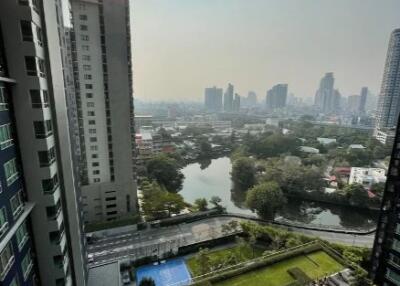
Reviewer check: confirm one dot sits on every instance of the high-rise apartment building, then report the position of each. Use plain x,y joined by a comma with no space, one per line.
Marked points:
327,99
17,266
389,98
228,98
236,103
277,96
386,250
104,93
35,40
213,99
363,100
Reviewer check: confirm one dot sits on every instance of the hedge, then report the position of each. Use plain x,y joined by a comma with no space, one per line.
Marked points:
299,275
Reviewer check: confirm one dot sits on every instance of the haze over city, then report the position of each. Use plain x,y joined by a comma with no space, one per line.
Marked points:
181,47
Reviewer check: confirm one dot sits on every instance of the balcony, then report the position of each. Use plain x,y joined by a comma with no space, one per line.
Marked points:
6,268
12,178
6,144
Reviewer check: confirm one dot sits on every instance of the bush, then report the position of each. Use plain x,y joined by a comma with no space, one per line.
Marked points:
299,275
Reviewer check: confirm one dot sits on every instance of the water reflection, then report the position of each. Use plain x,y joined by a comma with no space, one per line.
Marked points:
212,178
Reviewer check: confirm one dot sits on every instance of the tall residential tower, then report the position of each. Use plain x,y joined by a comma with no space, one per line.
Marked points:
104,93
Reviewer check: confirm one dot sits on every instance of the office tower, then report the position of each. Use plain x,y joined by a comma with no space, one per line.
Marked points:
363,100
104,85
213,99
327,99
236,103
16,244
353,103
277,96
389,98
35,40
251,100
228,98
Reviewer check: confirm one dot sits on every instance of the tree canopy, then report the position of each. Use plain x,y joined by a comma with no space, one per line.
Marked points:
243,172
165,170
265,198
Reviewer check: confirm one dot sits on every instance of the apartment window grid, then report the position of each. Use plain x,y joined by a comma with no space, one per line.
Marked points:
22,235
39,98
3,98
11,171
27,264
3,221
6,260
17,204
5,136
105,80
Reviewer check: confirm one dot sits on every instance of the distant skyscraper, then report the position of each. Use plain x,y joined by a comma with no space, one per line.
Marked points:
353,103
327,99
228,98
363,100
277,96
236,103
251,100
213,99
389,97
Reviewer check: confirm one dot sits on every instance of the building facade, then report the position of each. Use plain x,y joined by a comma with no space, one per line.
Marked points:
389,98
17,262
363,100
228,98
213,99
277,96
104,84
36,47
327,99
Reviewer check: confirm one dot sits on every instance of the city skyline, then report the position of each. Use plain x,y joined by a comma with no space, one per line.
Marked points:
274,50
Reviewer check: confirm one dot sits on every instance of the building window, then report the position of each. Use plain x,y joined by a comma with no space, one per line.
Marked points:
43,129
87,67
111,199
93,148
86,57
91,113
96,172
85,48
112,213
96,180
83,17
95,164
3,99
26,264
46,158
11,171
83,27
89,86
111,206
92,131
95,156
22,235
6,260
92,122
89,95
17,205
26,30
84,37
5,136
39,36
50,185
93,139
90,104
87,76
3,221
39,100
30,65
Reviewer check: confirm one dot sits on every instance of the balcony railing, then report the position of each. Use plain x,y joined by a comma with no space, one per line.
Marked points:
6,268
12,178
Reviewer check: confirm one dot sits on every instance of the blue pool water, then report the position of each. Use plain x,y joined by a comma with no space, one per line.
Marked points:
171,273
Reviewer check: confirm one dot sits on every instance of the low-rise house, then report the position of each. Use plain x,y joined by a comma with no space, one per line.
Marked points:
367,176
326,141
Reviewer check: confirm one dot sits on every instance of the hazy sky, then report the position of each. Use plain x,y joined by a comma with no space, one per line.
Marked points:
183,46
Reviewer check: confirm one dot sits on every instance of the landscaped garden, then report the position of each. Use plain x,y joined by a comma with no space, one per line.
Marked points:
314,265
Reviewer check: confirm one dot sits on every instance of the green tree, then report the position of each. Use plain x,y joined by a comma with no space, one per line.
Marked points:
243,172
158,203
216,201
205,148
165,171
357,195
265,198
147,281
203,261
201,204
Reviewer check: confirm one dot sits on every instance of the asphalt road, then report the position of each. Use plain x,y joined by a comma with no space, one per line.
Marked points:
129,243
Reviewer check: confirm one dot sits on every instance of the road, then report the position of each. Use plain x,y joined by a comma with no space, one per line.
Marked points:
132,244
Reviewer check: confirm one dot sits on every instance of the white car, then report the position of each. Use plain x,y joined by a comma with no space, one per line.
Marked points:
126,279
90,258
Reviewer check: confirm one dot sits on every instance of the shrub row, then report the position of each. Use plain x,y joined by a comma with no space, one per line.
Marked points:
299,275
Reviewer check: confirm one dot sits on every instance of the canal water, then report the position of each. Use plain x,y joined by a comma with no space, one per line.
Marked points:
212,178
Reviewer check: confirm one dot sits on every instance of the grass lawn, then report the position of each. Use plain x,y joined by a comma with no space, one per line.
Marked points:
218,256
315,265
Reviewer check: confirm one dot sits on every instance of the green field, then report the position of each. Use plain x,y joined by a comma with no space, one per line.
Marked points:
218,256
315,265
